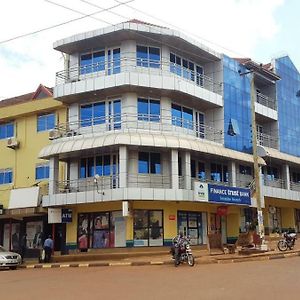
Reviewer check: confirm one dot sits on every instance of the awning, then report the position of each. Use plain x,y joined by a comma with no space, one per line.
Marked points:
274,153
24,198
79,143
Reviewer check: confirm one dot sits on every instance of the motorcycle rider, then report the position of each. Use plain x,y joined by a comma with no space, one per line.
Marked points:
177,241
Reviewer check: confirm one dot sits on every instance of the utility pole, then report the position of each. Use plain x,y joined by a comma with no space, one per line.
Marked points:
260,219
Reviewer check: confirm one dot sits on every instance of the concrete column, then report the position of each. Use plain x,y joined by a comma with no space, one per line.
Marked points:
123,166
129,111
186,170
286,176
174,169
53,175
232,173
74,116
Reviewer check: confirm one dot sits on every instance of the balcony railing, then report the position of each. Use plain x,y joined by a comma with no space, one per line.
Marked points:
156,181
139,122
276,182
267,140
88,184
133,64
266,101
295,186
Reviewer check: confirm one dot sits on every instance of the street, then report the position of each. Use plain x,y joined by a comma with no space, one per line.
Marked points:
250,280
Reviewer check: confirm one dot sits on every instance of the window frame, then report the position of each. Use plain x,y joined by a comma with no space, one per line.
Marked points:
150,166
148,62
182,122
6,174
45,171
148,116
5,127
46,125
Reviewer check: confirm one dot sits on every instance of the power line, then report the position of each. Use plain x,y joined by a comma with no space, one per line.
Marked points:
64,23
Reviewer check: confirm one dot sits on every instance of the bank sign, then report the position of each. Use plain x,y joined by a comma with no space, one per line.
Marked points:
221,194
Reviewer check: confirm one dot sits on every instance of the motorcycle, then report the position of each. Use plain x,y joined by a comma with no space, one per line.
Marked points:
183,253
287,242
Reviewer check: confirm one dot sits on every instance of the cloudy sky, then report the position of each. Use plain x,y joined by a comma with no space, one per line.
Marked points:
261,29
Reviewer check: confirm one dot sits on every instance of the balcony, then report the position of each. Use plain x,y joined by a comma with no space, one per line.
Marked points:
276,182
267,140
295,186
136,72
266,101
138,123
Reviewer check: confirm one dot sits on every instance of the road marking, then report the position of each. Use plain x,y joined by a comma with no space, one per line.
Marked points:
30,267
83,265
156,263
120,264
64,266
46,266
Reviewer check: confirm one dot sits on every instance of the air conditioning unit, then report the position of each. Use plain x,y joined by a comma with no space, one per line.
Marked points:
54,134
13,143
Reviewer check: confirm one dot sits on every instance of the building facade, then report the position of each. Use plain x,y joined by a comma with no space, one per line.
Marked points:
158,139
24,131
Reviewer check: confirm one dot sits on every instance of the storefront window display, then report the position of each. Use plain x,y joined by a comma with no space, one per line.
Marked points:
148,228
35,235
275,219
15,236
101,230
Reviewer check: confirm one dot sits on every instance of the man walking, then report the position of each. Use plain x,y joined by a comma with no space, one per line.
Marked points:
48,247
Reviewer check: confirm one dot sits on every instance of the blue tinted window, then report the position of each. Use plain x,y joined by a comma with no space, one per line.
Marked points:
148,110
90,167
148,56
187,115
99,165
6,130
83,168
42,172
86,63
6,176
99,61
45,122
172,63
106,165
117,114
99,113
116,61
155,163
144,162
176,115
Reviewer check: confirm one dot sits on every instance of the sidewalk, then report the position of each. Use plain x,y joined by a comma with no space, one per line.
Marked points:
159,256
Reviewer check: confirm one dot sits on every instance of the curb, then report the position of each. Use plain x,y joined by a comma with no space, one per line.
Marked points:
198,261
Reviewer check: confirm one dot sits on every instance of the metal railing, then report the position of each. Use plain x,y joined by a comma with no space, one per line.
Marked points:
266,101
276,182
267,140
131,63
88,184
149,181
137,123
295,186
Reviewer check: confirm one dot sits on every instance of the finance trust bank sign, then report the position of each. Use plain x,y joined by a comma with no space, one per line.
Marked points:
207,192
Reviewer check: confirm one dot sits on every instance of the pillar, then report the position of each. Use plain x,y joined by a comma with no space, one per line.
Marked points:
53,175
286,176
123,167
186,169
174,169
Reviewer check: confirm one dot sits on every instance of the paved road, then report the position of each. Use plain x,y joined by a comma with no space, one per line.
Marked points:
275,279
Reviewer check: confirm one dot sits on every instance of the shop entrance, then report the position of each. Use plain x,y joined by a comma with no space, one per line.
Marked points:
193,224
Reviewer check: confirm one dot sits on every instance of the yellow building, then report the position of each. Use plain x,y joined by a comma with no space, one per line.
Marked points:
25,122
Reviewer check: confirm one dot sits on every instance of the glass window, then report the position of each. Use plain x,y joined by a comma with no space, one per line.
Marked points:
143,162
148,56
219,172
272,173
98,61
155,163
6,176
117,114
182,116
193,168
187,116
199,75
245,170
45,122
201,171
6,130
86,115
86,61
42,171
148,110
106,165
176,115
98,111
114,63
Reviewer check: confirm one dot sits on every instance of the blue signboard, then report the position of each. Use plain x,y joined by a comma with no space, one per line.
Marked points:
228,195
66,215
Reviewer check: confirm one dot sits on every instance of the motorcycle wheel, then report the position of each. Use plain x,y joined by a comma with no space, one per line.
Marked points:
282,245
191,260
176,262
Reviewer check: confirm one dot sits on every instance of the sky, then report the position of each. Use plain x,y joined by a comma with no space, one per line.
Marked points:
260,29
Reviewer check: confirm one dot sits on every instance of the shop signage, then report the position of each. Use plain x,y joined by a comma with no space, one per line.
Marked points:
172,217
66,215
221,194
59,215
222,210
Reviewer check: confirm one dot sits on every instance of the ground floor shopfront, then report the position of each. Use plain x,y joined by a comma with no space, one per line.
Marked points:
150,223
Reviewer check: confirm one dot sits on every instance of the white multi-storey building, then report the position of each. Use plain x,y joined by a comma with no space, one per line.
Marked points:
147,142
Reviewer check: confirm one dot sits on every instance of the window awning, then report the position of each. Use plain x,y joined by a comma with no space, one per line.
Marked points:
78,143
24,198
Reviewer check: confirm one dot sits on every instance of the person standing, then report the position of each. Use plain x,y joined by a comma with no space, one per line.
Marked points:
48,247
23,246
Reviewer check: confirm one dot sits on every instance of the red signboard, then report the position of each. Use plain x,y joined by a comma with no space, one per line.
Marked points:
222,210
172,217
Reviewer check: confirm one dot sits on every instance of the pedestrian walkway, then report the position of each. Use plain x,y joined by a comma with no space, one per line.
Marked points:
156,256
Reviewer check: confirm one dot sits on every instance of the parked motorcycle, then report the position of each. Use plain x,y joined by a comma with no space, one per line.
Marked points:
184,253
287,242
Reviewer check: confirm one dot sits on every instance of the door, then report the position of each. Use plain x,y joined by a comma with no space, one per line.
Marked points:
199,125
113,61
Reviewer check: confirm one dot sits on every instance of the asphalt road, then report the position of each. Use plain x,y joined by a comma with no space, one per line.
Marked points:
274,279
